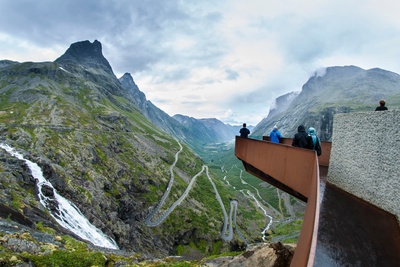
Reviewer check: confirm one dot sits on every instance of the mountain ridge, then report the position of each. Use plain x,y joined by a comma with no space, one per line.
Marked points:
335,90
190,130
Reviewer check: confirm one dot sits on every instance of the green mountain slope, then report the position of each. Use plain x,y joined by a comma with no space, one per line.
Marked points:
75,120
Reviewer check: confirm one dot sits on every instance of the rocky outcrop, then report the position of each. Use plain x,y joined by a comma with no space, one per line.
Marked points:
261,255
86,54
23,246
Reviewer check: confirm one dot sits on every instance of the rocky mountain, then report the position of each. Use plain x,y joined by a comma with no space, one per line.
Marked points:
97,140
281,104
203,131
222,131
335,90
158,117
87,55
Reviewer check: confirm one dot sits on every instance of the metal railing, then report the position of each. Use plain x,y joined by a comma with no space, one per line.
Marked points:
326,147
295,171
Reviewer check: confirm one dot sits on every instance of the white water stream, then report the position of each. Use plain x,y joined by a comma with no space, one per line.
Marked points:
67,215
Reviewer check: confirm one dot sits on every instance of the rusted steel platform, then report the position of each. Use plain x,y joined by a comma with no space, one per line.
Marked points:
352,232
339,229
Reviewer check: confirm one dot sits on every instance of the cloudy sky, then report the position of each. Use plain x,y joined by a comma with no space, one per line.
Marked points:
226,59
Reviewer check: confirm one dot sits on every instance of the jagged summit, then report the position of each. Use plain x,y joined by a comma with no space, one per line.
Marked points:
127,81
87,54
130,86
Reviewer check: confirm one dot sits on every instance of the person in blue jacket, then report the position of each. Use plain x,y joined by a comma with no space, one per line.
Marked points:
275,136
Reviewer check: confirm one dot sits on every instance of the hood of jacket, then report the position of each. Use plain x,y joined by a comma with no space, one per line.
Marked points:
301,128
311,131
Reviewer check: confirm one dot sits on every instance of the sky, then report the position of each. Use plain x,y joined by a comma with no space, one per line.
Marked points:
224,59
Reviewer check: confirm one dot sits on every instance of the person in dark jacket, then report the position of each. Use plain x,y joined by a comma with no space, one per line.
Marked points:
244,132
301,138
381,106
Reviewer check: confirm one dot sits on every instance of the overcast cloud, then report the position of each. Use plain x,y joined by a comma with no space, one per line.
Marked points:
226,59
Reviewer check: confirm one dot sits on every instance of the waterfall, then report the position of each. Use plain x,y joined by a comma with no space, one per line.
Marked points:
66,213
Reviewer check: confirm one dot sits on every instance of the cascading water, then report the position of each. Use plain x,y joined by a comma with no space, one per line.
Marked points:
65,213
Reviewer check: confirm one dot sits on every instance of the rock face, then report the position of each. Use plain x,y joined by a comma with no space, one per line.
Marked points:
282,103
335,90
86,54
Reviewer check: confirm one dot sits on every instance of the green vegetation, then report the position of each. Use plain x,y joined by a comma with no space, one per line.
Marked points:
73,253
69,259
287,232
16,202
45,229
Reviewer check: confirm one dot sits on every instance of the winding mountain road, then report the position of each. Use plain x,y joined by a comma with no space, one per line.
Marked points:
149,221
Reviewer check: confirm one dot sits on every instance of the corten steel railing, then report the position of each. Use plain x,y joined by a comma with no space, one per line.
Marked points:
326,147
293,170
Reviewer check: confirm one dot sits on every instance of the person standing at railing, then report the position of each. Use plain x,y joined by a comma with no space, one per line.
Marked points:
244,132
301,139
381,106
315,142
275,136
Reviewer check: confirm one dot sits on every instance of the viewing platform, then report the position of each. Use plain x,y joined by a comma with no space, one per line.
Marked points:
352,212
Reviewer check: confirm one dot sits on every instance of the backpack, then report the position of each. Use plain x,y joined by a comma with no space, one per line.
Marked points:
310,144
318,147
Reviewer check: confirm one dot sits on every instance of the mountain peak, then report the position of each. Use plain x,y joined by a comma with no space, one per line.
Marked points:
128,81
87,54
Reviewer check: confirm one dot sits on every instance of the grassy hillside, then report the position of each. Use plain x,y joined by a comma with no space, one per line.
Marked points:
101,153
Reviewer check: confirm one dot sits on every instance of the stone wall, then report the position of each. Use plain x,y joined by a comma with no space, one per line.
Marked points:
365,157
